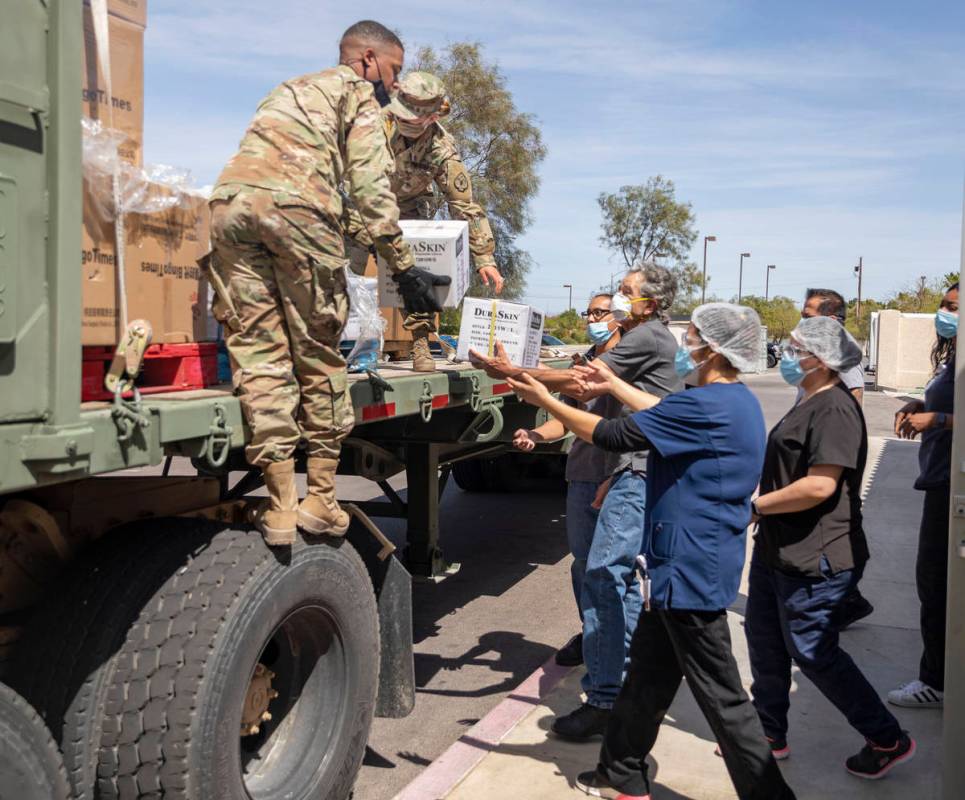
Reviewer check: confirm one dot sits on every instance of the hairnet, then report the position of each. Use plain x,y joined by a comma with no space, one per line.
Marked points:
827,339
733,331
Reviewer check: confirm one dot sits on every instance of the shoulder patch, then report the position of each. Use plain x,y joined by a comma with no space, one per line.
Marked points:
460,183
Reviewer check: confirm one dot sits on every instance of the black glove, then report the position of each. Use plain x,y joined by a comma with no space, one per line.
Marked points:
417,286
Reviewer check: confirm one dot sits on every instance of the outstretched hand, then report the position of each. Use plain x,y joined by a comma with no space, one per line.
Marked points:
597,379
530,390
491,276
496,366
525,440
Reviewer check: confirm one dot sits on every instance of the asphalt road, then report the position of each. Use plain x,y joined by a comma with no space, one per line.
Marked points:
480,632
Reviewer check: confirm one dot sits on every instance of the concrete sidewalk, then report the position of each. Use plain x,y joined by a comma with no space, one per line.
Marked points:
509,754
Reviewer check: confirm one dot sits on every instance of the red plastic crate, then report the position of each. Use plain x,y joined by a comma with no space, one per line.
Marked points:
167,368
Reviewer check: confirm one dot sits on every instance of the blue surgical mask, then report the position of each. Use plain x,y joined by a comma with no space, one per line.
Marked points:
791,369
684,363
946,324
599,332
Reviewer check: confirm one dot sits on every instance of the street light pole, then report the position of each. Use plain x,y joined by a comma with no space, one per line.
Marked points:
703,285
767,281
570,287
859,271
740,277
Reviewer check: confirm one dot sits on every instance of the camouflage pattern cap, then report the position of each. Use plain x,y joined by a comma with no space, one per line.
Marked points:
420,94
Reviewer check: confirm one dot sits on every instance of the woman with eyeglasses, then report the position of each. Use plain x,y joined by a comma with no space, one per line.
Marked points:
933,420
810,549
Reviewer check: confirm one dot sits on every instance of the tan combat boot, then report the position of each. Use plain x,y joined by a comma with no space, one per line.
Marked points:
422,360
277,516
320,512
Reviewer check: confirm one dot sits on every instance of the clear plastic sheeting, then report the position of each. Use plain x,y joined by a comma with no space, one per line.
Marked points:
365,324
139,190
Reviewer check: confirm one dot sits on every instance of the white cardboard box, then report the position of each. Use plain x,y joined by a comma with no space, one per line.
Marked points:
440,246
517,327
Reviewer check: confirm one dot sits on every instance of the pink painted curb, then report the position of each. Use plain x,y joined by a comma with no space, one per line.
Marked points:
443,774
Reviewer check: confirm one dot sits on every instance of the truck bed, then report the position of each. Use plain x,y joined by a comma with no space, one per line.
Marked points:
183,422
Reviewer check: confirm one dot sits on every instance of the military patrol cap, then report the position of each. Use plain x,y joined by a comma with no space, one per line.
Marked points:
420,94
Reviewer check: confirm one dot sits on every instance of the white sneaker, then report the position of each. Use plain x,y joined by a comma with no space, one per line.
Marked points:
916,695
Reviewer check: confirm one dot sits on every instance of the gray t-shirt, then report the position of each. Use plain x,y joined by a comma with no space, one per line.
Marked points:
644,357
586,462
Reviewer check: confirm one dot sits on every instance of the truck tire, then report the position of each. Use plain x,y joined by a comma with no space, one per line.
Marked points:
470,476
64,662
30,764
231,626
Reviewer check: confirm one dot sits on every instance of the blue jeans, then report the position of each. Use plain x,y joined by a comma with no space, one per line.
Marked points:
580,523
790,617
611,596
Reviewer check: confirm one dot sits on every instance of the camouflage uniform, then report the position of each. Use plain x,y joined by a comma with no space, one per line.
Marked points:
432,158
278,248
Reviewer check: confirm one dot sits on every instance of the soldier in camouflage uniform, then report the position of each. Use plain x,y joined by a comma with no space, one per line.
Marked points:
424,153
278,253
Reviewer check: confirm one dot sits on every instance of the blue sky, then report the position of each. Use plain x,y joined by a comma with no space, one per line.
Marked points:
805,133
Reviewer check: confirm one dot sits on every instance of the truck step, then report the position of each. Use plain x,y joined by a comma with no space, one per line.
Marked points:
167,368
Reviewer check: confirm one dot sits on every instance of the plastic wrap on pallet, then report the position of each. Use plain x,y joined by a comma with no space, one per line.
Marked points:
146,189
365,308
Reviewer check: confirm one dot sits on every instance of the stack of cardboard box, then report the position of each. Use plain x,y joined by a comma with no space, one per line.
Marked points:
163,281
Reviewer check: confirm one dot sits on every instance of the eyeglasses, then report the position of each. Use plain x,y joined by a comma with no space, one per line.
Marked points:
595,313
793,351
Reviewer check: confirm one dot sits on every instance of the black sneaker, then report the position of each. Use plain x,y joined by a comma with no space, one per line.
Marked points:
571,653
587,722
875,762
595,785
854,607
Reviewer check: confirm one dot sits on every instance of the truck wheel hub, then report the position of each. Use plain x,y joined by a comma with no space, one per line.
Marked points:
259,696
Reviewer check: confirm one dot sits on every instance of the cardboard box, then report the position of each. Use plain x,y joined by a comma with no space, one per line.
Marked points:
164,283
127,74
440,246
132,10
517,327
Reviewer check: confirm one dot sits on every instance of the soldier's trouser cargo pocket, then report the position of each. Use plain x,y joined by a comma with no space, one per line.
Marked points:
291,301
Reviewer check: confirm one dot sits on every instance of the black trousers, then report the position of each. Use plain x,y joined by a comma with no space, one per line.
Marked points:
931,575
668,646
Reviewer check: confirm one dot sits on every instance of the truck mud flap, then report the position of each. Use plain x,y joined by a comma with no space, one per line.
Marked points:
393,592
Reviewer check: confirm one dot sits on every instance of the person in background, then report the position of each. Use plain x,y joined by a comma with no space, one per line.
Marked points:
933,420
585,468
829,303
706,447
809,551
611,597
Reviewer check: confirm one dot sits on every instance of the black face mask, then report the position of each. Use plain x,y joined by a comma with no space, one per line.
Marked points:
381,93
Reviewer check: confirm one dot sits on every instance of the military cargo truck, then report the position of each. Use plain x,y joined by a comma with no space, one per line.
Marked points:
166,649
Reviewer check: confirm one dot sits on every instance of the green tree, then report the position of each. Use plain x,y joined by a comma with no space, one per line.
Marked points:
568,326
645,221
501,146
778,314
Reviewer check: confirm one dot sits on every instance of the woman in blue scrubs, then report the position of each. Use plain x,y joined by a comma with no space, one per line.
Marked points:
706,451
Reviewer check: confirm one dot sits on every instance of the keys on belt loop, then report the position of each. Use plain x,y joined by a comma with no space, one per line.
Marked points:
644,581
